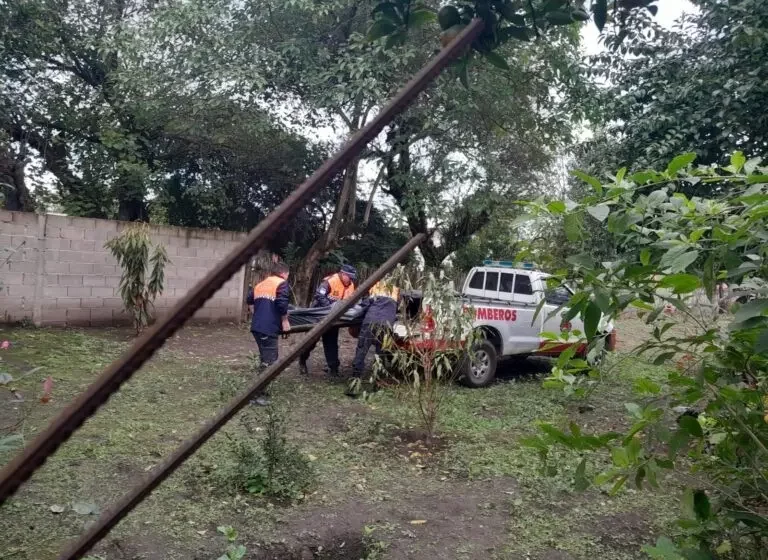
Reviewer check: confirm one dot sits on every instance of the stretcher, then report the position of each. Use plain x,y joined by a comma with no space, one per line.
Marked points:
302,319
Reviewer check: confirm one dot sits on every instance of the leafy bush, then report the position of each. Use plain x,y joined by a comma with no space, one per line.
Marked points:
672,251
142,276
427,369
274,468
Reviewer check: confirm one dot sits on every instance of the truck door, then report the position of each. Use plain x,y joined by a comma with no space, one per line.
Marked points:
556,297
522,336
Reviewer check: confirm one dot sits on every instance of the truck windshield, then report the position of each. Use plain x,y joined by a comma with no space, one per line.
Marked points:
558,295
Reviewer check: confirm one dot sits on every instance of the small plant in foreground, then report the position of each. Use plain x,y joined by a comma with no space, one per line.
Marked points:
274,468
234,551
142,276
374,548
440,335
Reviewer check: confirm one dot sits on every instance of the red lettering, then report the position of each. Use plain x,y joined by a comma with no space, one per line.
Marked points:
481,314
497,314
514,314
507,314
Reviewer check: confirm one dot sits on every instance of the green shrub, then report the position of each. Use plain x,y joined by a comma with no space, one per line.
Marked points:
273,468
142,274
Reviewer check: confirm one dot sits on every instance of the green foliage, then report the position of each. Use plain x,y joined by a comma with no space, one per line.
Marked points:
234,550
142,274
691,88
454,154
375,549
672,250
505,20
116,115
497,240
274,469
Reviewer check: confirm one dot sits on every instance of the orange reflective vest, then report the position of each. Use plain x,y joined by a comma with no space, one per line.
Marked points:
267,288
337,289
381,289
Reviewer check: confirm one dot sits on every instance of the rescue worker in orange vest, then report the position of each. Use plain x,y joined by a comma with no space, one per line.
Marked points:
332,289
380,313
269,299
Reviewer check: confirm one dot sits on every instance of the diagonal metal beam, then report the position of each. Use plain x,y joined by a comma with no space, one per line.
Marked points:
112,517
70,419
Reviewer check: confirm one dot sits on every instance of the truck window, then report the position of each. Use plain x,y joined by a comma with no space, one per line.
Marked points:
491,281
523,285
558,296
477,281
507,280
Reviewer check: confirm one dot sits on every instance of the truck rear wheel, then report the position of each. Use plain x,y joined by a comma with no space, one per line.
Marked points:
479,369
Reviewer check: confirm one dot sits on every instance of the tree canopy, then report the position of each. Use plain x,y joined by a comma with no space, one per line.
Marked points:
205,113
696,87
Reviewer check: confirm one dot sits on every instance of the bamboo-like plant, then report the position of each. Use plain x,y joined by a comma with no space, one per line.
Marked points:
142,276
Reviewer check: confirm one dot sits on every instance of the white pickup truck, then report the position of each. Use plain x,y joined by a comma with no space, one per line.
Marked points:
505,296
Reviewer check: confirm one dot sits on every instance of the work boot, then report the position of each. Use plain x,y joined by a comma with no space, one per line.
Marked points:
303,370
333,372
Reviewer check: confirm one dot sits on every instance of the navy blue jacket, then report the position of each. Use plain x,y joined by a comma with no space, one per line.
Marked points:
379,310
268,309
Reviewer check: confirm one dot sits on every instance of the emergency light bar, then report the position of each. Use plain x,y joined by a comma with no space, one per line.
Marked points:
510,264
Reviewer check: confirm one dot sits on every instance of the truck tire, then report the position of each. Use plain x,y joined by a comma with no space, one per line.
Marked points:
481,370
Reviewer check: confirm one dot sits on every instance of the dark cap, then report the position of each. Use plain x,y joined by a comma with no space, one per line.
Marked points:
349,270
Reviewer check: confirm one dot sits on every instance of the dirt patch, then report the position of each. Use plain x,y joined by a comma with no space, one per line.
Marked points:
417,447
444,521
623,531
350,546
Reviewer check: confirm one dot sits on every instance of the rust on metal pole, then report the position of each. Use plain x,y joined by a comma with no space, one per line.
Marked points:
71,418
111,517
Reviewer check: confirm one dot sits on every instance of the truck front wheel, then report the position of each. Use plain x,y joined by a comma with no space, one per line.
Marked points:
479,369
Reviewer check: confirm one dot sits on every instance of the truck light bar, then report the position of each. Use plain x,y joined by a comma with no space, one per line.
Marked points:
511,264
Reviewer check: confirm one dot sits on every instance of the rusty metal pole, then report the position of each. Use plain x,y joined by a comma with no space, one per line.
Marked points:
113,516
86,404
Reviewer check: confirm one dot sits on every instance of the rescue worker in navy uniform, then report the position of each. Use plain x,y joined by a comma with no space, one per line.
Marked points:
380,313
269,299
332,289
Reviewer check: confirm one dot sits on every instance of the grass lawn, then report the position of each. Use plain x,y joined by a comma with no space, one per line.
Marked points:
476,493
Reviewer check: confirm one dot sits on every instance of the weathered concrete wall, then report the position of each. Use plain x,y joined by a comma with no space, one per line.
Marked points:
54,270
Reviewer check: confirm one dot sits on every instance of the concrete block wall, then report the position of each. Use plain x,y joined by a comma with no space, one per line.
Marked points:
54,270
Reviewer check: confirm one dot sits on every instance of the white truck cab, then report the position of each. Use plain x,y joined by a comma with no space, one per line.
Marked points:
505,296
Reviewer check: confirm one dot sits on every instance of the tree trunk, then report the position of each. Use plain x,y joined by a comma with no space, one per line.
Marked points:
130,194
456,229
330,239
12,183
132,210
